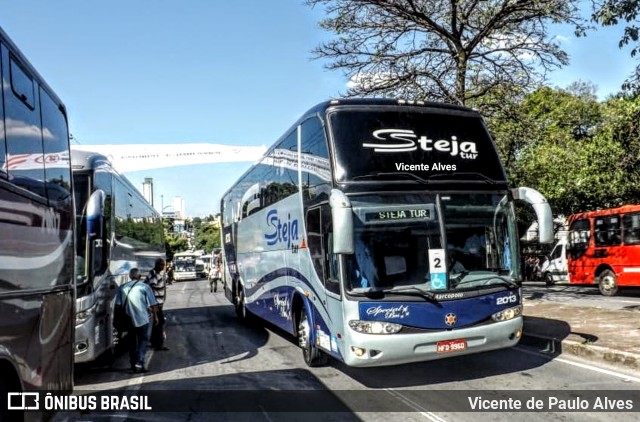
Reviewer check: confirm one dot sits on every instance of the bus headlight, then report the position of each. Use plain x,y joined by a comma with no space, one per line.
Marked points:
507,314
84,316
374,327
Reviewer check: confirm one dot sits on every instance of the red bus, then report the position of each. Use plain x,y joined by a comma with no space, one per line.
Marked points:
604,248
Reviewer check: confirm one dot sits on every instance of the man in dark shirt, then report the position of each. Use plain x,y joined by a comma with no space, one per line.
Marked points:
155,280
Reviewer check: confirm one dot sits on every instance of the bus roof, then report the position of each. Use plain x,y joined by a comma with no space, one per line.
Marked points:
88,160
5,39
324,106
625,209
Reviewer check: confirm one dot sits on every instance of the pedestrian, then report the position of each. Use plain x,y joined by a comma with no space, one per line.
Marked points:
170,274
215,274
140,305
155,279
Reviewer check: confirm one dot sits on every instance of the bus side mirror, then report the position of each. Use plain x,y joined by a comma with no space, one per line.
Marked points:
95,215
95,231
342,216
542,210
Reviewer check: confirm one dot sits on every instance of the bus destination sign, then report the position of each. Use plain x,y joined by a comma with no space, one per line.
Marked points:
398,214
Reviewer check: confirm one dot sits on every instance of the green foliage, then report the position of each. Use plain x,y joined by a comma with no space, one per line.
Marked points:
612,13
175,243
207,237
580,153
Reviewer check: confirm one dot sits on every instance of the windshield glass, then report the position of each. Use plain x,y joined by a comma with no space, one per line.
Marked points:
185,264
399,242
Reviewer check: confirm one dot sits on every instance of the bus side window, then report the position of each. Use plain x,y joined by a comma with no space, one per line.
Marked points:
579,235
331,281
631,225
25,161
319,233
56,142
314,241
607,231
3,151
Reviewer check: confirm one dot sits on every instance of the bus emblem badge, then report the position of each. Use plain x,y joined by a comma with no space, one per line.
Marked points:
450,319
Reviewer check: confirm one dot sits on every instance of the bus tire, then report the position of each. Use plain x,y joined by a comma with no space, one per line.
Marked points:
241,306
548,279
312,356
607,283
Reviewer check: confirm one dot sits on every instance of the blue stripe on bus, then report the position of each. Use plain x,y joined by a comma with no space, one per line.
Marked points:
265,306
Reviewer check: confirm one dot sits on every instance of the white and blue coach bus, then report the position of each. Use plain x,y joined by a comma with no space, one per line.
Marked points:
380,232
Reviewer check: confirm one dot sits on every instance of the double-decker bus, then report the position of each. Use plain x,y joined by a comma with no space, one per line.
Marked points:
603,248
36,233
380,232
117,229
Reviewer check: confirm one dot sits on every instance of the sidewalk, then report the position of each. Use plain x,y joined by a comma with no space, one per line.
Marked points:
597,334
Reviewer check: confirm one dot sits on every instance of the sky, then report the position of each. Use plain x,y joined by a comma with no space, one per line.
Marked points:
225,72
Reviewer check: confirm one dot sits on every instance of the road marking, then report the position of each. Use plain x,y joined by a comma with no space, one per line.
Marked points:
429,415
624,377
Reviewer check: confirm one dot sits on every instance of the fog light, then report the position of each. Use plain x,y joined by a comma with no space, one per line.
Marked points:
358,351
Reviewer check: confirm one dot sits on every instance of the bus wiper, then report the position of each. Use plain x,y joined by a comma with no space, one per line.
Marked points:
503,280
464,175
412,291
399,173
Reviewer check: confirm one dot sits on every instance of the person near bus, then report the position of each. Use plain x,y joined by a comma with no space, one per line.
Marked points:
215,273
170,277
155,279
141,306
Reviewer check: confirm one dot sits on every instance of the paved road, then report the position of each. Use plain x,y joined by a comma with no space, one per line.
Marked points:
210,351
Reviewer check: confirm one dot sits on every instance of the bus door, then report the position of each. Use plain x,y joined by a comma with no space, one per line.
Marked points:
328,305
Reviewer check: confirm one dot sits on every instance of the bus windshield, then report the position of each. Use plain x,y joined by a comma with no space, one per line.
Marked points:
185,264
395,234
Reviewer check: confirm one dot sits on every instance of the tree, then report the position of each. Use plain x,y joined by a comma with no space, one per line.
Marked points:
207,237
447,50
610,13
580,153
175,243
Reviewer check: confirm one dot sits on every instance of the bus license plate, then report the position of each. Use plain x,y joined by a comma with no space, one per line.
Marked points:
457,345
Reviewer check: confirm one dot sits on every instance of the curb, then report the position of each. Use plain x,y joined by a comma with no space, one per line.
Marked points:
555,346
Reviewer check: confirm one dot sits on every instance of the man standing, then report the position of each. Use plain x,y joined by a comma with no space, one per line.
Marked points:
156,281
215,273
140,304
169,274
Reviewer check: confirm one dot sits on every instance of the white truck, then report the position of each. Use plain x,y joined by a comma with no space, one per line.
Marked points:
554,268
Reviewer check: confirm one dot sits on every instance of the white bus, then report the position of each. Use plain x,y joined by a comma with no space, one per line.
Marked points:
117,229
185,266
362,208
